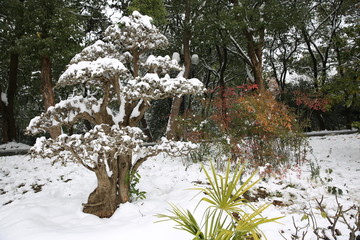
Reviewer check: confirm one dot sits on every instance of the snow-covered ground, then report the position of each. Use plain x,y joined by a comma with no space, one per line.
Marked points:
14,146
40,201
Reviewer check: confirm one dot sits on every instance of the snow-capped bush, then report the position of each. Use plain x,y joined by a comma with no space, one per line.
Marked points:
113,87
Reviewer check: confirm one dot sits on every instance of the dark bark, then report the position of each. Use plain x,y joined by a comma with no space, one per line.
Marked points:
172,127
136,55
320,119
4,122
254,49
7,110
174,113
222,56
47,91
313,58
146,130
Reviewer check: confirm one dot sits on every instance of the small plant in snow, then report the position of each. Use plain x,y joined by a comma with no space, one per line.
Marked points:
114,81
314,170
350,217
134,190
226,217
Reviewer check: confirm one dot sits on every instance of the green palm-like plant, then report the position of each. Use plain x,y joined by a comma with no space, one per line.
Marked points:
223,192
225,217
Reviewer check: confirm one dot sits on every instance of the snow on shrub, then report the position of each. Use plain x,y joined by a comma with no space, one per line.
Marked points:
113,81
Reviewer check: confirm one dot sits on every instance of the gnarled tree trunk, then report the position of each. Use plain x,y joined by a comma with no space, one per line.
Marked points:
111,190
103,201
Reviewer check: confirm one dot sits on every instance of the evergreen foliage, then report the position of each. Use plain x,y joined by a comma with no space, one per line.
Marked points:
152,8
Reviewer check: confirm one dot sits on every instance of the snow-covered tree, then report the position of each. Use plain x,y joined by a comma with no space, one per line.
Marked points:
113,82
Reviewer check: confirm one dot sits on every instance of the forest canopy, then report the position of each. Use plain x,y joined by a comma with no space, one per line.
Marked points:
306,53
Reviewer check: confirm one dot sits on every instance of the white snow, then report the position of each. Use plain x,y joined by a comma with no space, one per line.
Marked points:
85,71
40,201
176,57
131,33
195,59
112,13
135,113
4,98
14,146
73,106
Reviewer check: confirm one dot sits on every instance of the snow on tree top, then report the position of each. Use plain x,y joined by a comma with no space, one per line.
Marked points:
97,50
136,32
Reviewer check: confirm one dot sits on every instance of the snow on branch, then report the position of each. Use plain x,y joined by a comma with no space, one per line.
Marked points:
171,148
136,32
65,113
102,69
97,50
152,87
4,98
102,143
101,146
118,97
161,64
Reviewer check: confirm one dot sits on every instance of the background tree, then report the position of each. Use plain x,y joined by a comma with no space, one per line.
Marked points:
11,29
114,81
319,32
256,20
152,8
184,10
51,24
34,34
344,88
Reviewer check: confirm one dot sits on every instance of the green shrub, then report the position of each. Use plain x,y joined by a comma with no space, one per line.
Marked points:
135,192
356,125
225,218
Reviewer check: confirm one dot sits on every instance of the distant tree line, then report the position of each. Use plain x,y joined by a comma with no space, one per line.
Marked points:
306,51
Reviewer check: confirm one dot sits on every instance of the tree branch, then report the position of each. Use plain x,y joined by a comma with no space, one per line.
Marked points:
241,52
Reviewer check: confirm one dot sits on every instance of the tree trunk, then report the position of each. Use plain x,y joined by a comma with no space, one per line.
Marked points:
171,130
255,48
172,127
4,122
7,109
124,166
111,190
102,202
47,90
314,61
321,120
222,56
